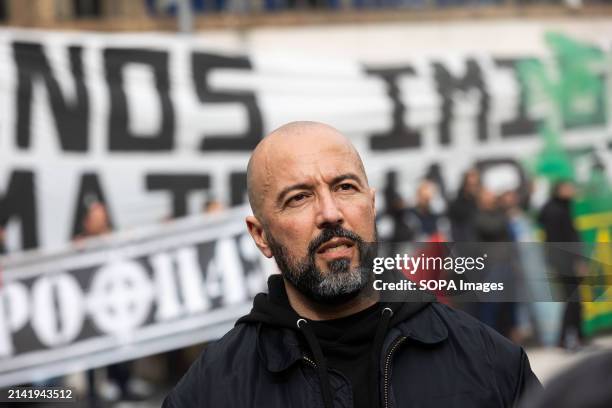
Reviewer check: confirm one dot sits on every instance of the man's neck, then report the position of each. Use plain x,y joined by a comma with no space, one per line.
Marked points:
309,309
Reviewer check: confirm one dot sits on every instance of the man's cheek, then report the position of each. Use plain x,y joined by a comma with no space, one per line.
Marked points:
364,226
294,235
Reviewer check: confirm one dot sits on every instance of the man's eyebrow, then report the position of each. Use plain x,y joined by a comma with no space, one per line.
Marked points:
286,190
346,176
306,186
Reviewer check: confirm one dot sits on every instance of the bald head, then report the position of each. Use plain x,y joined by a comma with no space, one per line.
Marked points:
288,147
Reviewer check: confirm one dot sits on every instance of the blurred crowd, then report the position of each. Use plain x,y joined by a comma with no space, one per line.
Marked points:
477,214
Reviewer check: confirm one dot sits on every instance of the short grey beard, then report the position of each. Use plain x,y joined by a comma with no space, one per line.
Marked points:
337,286
341,281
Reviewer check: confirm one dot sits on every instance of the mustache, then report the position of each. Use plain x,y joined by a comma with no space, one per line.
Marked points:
329,233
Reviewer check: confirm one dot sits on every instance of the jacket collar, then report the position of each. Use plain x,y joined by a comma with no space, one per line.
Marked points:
425,327
279,348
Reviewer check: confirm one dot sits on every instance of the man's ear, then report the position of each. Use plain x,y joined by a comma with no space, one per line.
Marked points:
258,234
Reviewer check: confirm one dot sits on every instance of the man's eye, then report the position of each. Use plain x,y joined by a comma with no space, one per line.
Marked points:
346,186
297,198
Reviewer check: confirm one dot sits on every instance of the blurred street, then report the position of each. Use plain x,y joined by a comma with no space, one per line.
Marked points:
547,362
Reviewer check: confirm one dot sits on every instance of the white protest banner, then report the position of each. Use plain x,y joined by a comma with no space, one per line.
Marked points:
156,124
126,295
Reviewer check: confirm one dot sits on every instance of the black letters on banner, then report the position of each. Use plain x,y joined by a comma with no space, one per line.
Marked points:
202,65
238,185
18,201
522,125
179,185
448,84
400,135
71,116
120,136
90,191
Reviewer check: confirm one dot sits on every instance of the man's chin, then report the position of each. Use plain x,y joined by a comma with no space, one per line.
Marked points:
342,294
335,299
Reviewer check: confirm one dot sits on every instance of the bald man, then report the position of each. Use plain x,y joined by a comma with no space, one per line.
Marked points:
320,337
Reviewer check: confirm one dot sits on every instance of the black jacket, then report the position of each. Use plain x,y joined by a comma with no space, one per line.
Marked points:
430,355
558,224
461,213
557,221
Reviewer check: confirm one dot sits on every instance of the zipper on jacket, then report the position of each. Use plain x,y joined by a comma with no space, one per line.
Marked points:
388,366
309,361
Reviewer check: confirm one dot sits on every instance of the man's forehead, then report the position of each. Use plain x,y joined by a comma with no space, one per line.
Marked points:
314,169
298,151
312,153
324,162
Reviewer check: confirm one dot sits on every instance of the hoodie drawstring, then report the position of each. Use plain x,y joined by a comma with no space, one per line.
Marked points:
321,364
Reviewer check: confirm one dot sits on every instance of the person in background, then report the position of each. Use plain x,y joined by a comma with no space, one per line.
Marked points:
490,221
531,266
556,219
492,227
537,316
429,241
426,220
120,386
462,210
396,208
95,221
177,360
520,227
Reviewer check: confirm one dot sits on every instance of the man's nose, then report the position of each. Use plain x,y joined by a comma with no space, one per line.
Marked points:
328,212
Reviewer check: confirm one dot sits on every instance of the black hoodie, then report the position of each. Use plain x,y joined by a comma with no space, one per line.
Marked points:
352,345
